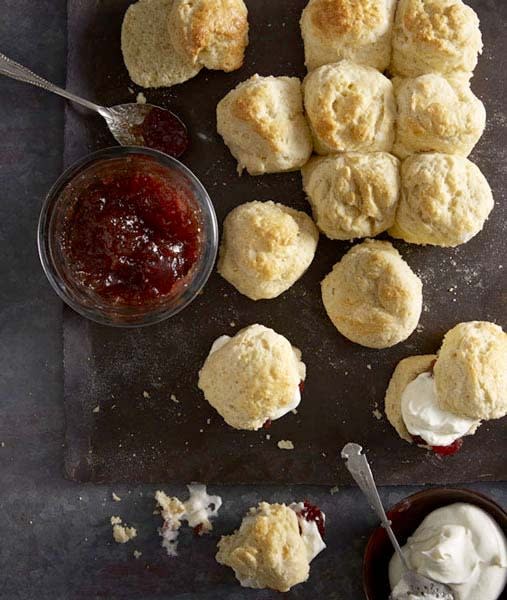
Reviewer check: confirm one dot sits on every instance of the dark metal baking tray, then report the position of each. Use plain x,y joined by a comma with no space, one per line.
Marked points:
149,437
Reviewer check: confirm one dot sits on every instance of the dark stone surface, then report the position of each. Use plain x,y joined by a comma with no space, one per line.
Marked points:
55,540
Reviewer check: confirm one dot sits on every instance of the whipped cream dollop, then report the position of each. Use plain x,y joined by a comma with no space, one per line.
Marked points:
459,545
296,399
424,417
310,533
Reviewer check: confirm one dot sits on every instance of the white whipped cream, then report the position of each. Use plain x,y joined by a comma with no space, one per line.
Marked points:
310,533
423,416
199,509
296,399
459,545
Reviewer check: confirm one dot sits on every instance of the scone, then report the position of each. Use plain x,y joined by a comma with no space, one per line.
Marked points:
359,30
435,36
349,107
274,545
262,122
354,194
252,378
372,296
437,400
471,371
211,33
266,247
437,115
148,52
445,200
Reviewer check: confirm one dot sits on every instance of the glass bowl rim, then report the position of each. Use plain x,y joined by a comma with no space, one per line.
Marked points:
196,283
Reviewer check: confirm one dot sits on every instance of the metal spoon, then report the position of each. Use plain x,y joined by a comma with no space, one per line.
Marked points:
412,585
123,120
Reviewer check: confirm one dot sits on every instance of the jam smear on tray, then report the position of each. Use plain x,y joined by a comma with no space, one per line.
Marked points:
440,450
310,512
163,131
130,237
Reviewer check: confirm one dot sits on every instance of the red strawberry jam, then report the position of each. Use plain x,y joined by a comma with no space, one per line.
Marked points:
441,450
310,512
163,131
131,234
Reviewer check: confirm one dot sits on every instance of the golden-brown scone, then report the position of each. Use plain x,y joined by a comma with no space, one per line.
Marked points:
436,114
253,377
262,123
353,194
267,551
406,371
266,247
471,371
435,36
148,52
445,200
211,33
358,30
350,107
372,296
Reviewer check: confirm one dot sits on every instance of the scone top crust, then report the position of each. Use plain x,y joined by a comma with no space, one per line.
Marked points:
267,551
252,377
405,372
358,30
440,36
262,123
471,371
372,296
436,114
265,248
148,52
353,194
350,107
212,33
445,200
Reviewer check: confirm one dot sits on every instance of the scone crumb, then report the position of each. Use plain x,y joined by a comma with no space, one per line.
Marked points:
141,98
285,445
334,490
96,409
368,366
2,444
137,554
146,394
377,414
121,533
268,436
115,497
174,399
294,411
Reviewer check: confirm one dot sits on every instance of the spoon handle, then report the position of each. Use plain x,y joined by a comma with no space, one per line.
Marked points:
12,69
359,468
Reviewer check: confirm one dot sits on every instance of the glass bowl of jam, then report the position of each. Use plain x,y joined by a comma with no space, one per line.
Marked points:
128,236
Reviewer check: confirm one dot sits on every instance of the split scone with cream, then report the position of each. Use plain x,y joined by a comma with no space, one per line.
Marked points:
353,194
149,54
266,247
358,30
372,296
435,36
274,546
436,114
210,33
262,122
252,378
350,107
445,200
436,400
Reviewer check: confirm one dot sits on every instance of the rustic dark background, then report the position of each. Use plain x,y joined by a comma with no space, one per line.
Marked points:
55,541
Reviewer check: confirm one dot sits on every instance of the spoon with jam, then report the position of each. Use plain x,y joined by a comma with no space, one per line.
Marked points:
131,124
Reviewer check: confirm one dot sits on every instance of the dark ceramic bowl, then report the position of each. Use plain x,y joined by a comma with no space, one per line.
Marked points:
406,516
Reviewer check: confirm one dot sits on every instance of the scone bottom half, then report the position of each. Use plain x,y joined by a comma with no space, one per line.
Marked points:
252,378
274,545
447,396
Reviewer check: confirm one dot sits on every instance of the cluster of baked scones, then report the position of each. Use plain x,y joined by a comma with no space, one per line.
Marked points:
391,155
